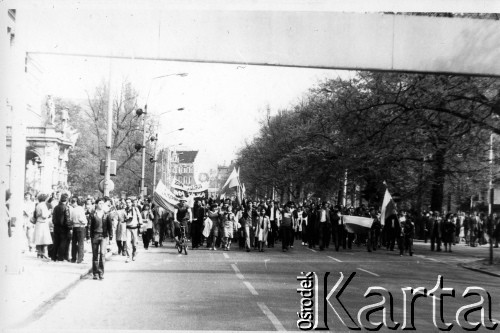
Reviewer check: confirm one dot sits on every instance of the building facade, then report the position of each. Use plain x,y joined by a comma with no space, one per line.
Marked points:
178,165
34,129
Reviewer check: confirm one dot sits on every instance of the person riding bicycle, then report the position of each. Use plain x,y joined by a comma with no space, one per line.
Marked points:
182,214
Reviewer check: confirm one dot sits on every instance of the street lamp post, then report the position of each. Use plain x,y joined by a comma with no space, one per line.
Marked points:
144,112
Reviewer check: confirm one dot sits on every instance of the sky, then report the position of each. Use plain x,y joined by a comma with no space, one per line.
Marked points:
223,104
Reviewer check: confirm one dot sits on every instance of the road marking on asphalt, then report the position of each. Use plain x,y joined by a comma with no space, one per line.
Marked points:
364,270
226,256
313,250
424,257
237,271
337,260
251,288
277,324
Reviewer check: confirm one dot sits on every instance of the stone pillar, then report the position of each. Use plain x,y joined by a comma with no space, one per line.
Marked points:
16,93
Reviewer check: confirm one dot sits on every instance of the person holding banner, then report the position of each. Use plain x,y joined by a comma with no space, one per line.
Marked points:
392,231
338,233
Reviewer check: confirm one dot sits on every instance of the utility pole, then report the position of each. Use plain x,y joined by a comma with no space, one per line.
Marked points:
154,161
107,172
143,149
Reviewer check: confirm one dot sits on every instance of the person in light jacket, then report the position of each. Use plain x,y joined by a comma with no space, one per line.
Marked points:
43,238
121,231
263,229
79,222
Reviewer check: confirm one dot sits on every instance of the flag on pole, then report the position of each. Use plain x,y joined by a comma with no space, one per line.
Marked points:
243,190
222,196
388,207
232,180
164,197
357,224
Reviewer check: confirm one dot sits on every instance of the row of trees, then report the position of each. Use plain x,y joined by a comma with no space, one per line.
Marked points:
90,119
427,136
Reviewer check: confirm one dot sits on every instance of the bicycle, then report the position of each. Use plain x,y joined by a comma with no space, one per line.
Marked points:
181,244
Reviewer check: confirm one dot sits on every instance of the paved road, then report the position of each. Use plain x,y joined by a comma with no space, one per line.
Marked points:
217,290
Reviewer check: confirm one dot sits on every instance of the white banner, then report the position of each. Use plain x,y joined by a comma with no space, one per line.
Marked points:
357,224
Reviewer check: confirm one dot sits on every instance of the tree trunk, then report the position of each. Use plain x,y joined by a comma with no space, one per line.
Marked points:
437,190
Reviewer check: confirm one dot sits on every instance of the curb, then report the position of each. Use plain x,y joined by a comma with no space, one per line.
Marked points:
47,302
478,270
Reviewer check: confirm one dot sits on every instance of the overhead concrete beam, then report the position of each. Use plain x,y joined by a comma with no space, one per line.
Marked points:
301,38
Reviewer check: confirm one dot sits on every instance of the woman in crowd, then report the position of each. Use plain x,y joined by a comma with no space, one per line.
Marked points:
263,228
147,218
121,230
226,220
286,228
213,215
43,237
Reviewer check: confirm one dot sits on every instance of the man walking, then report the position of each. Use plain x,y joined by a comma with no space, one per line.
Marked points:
324,221
133,221
62,229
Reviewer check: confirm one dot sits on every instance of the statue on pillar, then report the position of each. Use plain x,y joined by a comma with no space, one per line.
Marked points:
50,111
64,120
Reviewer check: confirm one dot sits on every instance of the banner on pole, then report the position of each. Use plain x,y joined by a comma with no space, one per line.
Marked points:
357,224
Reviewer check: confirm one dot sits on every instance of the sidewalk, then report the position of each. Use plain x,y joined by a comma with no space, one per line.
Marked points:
24,294
484,266
481,264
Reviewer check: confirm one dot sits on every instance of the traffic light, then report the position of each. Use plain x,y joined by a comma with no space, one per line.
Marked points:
138,147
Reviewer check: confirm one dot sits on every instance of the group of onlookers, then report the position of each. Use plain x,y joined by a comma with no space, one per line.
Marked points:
449,229
59,226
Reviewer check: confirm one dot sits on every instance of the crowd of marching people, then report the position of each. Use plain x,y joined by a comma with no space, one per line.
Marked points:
58,226
256,225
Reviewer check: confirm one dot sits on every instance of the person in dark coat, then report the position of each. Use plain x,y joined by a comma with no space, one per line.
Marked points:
392,231
62,230
436,232
101,228
199,212
448,232
312,226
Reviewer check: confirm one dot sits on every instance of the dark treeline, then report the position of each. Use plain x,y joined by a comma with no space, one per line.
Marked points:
427,136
